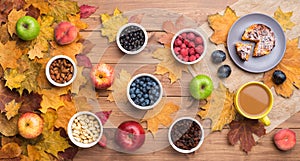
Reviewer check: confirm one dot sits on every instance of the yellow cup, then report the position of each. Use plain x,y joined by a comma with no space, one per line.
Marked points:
254,100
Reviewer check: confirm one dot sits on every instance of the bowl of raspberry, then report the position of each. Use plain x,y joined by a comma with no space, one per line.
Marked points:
188,46
144,91
132,38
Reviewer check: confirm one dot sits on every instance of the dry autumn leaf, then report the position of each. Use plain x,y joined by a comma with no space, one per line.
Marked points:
119,87
221,25
79,81
30,102
290,65
243,131
4,36
8,127
43,6
87,10
160,115
12,109
111,24
60,9
219,108
6,95
284,19
10,150
75,19
35,154
51,98
70,50
13,17
10,52
65,112
13,78
168,64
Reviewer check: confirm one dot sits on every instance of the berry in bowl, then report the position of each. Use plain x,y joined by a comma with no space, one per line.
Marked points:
85,129
144,91
132,38
61,70
188,46
186,135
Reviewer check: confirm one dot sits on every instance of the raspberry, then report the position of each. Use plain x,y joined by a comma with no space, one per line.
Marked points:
180,57
186,59
177,50
182,46
191,45
192,58
192,51
186,42
177,42
197,55
191,36
184,52
183,35
199,49
198,40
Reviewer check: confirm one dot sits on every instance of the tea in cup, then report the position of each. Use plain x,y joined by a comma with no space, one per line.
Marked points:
254,100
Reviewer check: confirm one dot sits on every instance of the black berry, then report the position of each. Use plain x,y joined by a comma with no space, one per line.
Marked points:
278,77
218,56
132,38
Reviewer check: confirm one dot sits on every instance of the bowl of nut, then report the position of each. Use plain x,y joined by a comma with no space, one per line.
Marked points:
188,46
85,129
186,135
132,38
61,70
144,91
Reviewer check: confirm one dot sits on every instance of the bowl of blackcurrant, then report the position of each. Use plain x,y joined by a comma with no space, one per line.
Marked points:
132,38
144,91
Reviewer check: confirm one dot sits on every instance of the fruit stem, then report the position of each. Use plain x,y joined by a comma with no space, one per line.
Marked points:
25,25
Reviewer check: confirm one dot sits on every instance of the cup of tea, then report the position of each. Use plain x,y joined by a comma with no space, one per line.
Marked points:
254,100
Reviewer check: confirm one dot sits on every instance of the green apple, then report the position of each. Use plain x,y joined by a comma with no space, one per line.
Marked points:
27,28
201,86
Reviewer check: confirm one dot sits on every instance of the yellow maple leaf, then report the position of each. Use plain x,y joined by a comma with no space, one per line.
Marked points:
111,24
168,64
219,108
49,119
43,6
13,17
119,87
75,19
13,78
79,81
70,50
35,154
10,150
160,115
284,19
65,113
60,9
11,52
40,45
51,98
12,109
290,65
221,25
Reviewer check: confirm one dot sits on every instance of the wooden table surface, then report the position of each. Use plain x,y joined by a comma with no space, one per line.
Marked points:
215,146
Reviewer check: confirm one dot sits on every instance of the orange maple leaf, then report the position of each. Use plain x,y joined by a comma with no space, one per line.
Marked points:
51,98
221,25
64,113
13,17
10,52
70,50
290,65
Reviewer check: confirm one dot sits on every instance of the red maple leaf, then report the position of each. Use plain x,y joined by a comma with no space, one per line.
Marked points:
103,116
86,11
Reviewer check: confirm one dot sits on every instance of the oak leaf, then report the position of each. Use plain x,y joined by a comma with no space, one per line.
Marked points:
112,23
13,17
87,10
11,52
219,108
8,127
290,65
221,25
60,9
243,131
168,64
119,87
51,98
161,114
12,109
64,113
284,19
10,150
79,81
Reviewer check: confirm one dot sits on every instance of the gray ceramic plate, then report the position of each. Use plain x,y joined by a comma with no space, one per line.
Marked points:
256,64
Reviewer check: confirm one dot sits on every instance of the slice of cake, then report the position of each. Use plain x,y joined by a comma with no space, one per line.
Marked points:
243,50
263,36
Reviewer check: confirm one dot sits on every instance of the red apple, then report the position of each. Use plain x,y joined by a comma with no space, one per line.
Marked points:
130,135
30,125
102,76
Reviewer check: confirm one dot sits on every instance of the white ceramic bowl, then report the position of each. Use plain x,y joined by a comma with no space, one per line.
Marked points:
70,131
144,107
183,150
120,32
196,32
48,71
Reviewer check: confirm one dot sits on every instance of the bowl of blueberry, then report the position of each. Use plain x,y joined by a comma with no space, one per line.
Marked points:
188,46
144,91
132,38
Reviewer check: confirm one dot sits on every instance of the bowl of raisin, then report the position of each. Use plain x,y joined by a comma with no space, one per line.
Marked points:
186,135
144,91
132,38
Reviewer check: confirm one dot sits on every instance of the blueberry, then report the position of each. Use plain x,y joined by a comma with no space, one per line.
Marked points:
137,91
140,95
132,96
224,71
147,101
143,104
278,77
142,99
218,56
146,95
